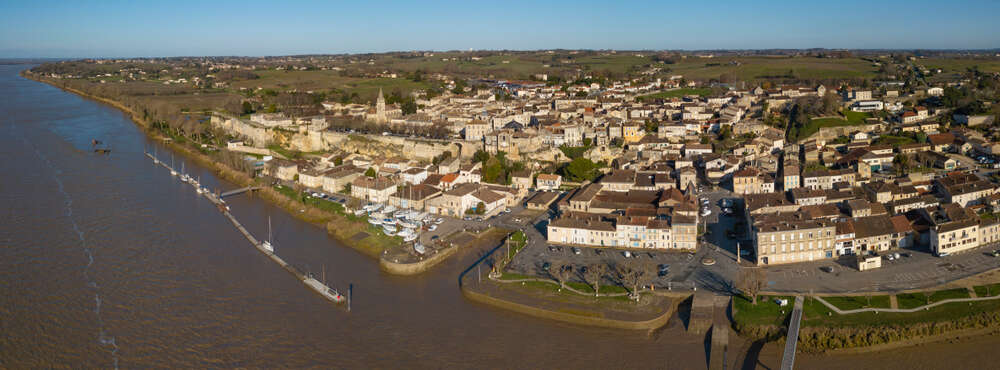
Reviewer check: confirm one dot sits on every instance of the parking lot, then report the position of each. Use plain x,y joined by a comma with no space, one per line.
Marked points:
913,270
677,270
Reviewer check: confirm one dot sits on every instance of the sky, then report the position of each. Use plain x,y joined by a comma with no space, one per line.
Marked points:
145,28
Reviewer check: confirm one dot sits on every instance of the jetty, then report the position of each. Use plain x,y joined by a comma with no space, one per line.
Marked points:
315,285
239,191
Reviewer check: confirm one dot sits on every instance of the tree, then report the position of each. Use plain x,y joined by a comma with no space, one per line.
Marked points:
902,163
338,161
480,208
493,171
460,86
581,169
633,276
247,107
751,282
481,156
593,275
561,272
370,172
409,106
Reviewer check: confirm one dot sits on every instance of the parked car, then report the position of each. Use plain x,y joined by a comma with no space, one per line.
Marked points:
576,250
662,269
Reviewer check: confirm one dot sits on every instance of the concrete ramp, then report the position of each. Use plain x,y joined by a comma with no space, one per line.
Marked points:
702,307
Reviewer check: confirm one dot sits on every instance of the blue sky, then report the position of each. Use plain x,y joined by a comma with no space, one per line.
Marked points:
112,28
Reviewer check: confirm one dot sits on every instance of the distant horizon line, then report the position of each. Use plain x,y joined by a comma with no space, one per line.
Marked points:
955,50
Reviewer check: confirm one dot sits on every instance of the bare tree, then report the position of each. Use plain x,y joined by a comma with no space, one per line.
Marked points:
594,274
751,282
561,272
634,275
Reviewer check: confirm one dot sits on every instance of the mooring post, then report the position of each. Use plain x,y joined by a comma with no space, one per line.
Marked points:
350,294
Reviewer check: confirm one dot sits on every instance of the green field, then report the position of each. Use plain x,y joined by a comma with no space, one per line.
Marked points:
960,65
987,290
911,300
856,302
763,67
765,312
856,117
677,93
321,81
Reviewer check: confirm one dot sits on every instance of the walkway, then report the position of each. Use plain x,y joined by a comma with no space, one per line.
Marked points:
239,191
788,358
903,310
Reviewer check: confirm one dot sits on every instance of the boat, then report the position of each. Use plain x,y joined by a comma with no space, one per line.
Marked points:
359,212
389,230
388,221
389,209
374,221
410,238
173,172
323,290
419,248
267,243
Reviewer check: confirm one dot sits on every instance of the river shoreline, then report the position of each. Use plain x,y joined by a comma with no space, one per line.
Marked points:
241,180
235,177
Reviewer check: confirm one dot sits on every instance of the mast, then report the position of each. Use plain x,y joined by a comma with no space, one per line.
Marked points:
269,229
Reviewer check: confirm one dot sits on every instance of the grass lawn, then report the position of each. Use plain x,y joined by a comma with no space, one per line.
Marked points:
675,94
765,312
856,117
856,302
553,287
911,300
948,311
989,290
815,124
290,154
949,294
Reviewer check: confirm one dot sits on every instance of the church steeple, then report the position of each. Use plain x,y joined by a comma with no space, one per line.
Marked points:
380,114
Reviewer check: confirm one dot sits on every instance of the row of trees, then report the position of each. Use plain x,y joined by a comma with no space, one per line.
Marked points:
630,275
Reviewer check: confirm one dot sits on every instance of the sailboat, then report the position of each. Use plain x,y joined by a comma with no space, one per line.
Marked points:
267,243
173,172
331,293
184,175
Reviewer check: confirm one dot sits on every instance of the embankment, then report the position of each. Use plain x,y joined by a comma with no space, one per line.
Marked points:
413,268
648,324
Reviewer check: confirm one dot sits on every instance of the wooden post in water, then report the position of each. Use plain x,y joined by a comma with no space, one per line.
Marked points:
350,294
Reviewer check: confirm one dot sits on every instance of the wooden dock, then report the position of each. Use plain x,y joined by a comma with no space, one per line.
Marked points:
308,281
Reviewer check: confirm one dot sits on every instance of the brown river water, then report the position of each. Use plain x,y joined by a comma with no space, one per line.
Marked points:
108,261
